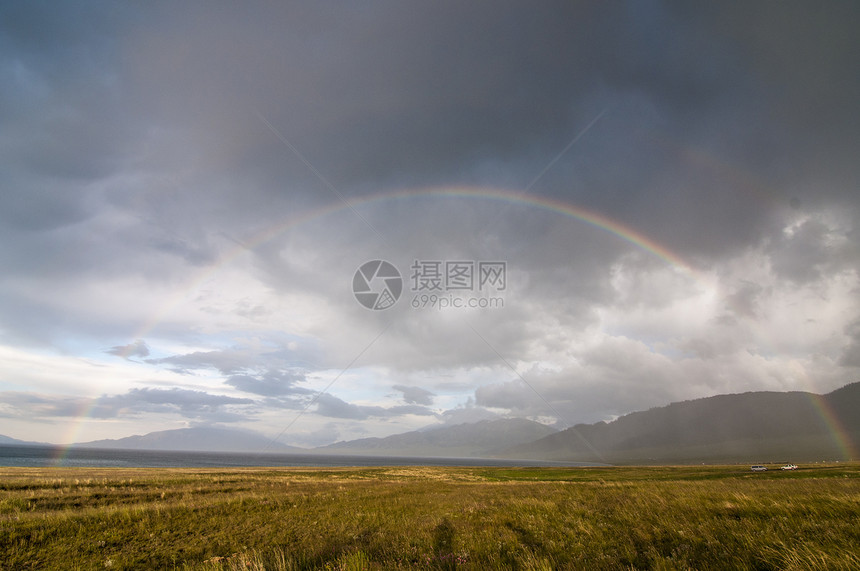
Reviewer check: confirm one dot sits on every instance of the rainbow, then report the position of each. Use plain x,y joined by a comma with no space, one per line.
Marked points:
593,218
839,434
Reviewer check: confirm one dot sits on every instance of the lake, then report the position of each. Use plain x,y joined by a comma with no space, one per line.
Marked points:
41,456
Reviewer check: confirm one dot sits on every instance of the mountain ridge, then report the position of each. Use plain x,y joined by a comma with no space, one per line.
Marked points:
753,426
195,439
482,438
9,441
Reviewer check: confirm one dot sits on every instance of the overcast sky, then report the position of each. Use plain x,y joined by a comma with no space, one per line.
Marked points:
188,190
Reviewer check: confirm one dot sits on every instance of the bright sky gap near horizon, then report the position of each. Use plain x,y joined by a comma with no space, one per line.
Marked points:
674,190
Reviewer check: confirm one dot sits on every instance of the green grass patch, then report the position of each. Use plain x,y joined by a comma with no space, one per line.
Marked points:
701,517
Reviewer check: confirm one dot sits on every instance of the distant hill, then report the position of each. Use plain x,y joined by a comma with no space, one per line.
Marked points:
754,427
484,438
199,439
6,440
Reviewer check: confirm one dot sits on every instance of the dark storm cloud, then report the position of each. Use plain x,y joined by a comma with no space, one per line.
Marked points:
690,150
423,94
804,51
384,74
60,109
419,94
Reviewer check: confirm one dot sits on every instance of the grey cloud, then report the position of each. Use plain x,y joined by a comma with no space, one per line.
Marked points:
409,409
467,413
744,302
331,406
137,349
46,205
265,371
242,359
195,254
616,376
41,407
188,403
226,362
850,356
269,383
800,256
574,400
712,347
415,395
512,395
330,432
620,375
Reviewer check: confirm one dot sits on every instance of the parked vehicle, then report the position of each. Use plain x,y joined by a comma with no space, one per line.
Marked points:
789,467
759,468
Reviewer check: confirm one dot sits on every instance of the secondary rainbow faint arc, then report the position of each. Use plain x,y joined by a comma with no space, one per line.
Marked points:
592,218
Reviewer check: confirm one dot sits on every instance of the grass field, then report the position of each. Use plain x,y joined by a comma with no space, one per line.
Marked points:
434,518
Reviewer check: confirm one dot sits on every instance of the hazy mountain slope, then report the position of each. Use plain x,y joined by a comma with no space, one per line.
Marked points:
482,438
8,440
759,426
200,439
754,427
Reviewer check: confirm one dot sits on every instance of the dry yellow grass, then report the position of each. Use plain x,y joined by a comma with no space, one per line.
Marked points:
421,517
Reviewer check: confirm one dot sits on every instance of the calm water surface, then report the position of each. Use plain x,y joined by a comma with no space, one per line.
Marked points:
39,456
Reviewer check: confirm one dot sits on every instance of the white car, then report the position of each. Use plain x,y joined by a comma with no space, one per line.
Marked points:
789,467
